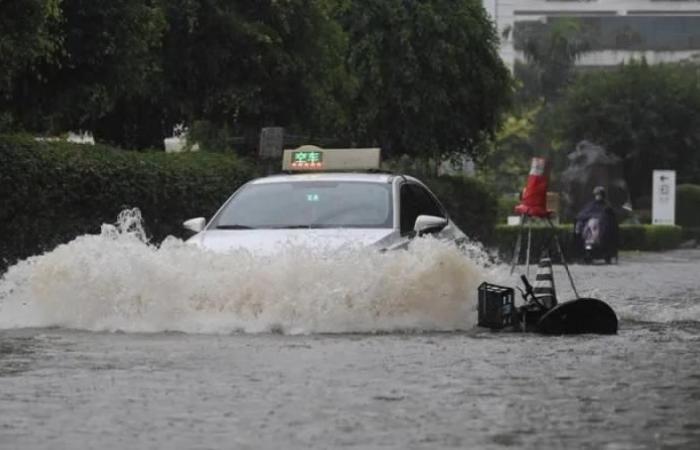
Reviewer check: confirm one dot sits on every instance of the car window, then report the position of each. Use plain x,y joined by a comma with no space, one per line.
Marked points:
426,202
313,204
416,201
409,209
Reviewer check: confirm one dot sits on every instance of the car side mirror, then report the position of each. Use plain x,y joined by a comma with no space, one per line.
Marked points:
429,224
196,224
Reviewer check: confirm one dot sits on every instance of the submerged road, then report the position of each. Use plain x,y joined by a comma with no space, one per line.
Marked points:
475,389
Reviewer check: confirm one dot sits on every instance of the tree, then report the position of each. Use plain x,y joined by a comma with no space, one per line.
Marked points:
422,77
428,78
648,115
507,162
551,51
29,37
249,63
130,70
103,77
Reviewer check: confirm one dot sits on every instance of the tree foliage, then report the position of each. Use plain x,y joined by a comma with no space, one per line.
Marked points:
130,70
688,205
29,38
507,162
417,77
251,63
648,115
550,52
105,75
429,80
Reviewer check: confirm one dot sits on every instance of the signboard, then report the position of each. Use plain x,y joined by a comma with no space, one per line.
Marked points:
663,206
315,159
307,160
271,142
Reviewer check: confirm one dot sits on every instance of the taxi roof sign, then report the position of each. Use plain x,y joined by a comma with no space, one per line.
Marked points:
309,158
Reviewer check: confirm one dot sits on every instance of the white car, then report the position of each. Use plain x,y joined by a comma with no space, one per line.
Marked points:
326,209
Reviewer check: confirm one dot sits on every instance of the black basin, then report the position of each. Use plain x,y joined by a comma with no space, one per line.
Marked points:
583,315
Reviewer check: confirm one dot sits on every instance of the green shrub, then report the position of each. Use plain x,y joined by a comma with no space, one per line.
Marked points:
663,237
632,237
470,203
691,233
643,215
650,237
53,192
506,207
505,236
688,205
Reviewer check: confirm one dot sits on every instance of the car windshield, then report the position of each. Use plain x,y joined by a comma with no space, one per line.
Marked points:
309,204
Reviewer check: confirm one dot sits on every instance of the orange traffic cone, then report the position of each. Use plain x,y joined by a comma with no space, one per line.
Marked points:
534,200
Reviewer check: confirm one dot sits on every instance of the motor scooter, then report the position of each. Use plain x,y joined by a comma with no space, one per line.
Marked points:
597,239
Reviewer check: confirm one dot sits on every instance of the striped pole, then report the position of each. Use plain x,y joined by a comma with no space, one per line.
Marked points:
544,283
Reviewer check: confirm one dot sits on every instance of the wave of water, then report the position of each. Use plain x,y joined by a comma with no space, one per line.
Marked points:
653,287
656,306
118,281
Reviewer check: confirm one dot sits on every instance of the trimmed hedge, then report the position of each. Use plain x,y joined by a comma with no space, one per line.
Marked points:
691,233
506,207
650,237
688,205
470,203
52,192
505,236
632,237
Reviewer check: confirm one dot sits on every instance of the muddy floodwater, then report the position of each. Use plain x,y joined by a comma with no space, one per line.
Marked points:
139,375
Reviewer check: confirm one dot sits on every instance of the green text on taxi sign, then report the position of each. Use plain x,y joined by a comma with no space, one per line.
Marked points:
307,159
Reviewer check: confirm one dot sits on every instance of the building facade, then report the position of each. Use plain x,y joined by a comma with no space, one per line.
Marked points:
616,30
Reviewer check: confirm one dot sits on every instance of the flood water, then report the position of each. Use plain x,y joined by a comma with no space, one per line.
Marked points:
109,343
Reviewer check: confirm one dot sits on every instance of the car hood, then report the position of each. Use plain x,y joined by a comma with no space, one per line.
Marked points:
268,241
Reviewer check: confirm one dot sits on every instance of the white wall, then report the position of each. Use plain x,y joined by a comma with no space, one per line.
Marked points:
507,12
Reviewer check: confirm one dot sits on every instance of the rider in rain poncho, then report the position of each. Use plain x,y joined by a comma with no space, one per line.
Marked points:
597,228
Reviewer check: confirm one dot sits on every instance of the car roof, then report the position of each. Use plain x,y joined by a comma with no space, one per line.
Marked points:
327,176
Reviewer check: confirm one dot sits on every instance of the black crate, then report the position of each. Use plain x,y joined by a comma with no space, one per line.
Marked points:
496,306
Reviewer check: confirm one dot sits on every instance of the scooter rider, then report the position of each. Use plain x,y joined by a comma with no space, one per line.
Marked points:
597,229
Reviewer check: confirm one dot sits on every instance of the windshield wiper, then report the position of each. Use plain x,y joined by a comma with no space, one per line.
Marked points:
290,227
281,227
234,227
301,227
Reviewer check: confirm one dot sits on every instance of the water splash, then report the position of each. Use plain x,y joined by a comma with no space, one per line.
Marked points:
118,281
